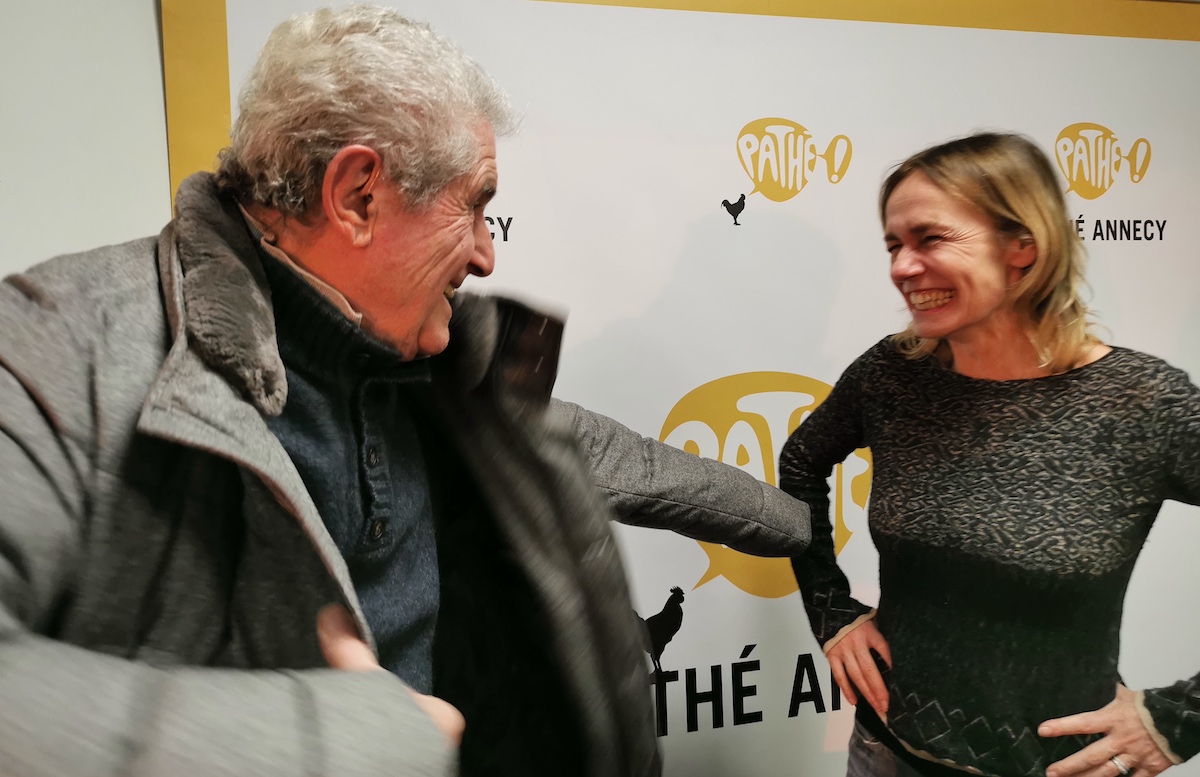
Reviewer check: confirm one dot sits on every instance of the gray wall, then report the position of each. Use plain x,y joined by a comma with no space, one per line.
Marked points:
83,144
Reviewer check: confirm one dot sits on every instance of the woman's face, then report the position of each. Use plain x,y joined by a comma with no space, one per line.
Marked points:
950,264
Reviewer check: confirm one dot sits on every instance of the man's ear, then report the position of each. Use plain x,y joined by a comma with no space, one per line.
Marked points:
346,197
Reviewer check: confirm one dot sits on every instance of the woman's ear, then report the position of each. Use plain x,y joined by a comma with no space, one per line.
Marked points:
1022,252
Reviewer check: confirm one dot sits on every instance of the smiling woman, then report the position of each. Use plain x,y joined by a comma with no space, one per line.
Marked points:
1019,465
985,256
952,269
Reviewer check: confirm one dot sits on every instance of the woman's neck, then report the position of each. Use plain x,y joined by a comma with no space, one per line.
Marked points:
1009,355
1010,358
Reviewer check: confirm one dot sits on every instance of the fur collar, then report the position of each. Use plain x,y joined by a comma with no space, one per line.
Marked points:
227,304
230,323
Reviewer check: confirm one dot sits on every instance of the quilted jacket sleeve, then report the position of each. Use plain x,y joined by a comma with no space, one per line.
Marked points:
651,484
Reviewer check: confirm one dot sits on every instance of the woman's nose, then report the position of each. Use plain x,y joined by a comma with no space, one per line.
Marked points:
906,264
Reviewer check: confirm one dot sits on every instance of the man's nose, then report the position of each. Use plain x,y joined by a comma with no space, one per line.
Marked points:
483,261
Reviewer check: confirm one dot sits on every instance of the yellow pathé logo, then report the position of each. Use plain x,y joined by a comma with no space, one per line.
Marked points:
1091,156
779,155
743,420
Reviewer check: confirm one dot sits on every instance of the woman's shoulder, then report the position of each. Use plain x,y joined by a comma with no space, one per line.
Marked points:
1164,389
882,351
886,355
879,364
1150,377
1133,365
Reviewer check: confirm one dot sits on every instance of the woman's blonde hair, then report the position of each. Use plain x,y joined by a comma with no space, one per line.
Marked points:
1007,178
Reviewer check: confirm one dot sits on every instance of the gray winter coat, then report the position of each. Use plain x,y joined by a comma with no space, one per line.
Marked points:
161,564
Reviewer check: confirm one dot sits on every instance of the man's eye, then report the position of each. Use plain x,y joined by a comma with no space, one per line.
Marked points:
892,249
484,198
931,239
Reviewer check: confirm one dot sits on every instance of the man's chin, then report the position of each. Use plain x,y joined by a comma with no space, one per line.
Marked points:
433,343
434,336
430,340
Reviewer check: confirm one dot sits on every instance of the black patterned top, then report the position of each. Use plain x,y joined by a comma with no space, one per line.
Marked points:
1007,516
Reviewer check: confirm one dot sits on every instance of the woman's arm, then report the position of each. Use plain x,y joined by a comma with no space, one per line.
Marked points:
1173,712
822,441
840,623
1148,731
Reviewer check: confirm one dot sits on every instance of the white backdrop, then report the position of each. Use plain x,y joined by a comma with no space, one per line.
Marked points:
630,142
613,188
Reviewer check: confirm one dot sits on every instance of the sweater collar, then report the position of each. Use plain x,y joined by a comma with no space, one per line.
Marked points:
317,338
266,240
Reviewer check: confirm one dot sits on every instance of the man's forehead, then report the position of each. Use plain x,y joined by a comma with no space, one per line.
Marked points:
486,166
487,140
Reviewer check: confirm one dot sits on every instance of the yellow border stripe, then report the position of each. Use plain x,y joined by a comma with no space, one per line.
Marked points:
196,49
1113,18
196,84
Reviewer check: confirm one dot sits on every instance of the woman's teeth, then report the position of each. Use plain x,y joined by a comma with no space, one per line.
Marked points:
927,300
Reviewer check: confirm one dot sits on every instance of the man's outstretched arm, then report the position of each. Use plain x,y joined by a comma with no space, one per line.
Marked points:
651,484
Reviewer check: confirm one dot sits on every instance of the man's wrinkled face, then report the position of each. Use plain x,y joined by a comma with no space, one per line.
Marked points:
418,258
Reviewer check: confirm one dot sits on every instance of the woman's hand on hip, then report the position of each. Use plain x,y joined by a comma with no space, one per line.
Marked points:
854,666
1126,742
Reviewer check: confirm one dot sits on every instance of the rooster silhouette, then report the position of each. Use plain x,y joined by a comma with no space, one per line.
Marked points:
662,626
735,208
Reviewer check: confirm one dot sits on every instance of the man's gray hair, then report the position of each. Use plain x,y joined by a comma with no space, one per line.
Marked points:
363,75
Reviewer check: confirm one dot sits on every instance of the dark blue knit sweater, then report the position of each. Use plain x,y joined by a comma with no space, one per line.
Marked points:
349,428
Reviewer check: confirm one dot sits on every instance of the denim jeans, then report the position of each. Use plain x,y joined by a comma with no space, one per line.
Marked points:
871,758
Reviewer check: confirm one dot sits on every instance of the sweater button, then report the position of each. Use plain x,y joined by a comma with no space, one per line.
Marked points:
372,456
377,530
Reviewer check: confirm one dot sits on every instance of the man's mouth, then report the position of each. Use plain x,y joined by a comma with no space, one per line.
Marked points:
928,300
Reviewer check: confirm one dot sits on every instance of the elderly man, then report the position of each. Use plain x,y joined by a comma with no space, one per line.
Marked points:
251,464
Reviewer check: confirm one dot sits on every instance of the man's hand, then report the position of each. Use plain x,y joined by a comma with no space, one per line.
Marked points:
854,667
344,649
1124,737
